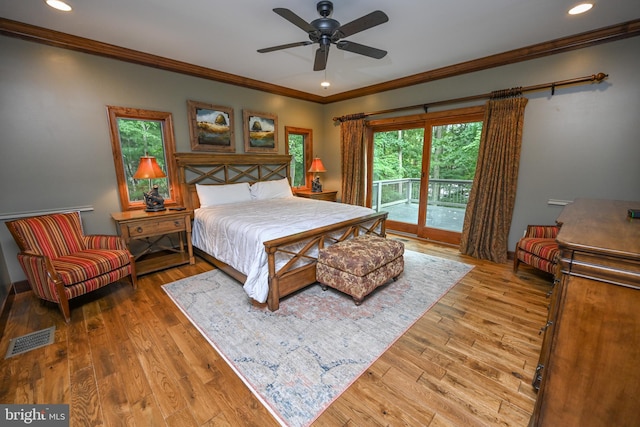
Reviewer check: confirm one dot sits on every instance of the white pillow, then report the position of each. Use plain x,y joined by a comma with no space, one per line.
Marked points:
279,189
214,195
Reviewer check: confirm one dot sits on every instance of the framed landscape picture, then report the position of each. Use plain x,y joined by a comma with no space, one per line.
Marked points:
211,127
260,132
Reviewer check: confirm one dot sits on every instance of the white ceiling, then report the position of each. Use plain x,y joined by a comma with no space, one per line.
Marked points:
421,35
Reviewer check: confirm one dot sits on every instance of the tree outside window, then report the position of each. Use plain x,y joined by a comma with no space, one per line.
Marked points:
136,133
300,147
139,138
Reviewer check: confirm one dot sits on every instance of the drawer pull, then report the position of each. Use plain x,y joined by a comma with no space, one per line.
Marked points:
545,327
139,229
176,223
537,377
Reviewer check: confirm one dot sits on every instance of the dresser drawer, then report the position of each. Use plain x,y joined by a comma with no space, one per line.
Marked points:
150,227
617,270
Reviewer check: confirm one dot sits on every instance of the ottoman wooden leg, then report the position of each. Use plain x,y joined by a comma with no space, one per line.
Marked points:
324,287
358,301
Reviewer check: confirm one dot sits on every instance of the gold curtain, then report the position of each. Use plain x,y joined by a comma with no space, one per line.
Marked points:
353,170
490,208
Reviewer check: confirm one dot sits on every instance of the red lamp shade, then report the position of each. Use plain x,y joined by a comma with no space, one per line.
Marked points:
148,169
317,166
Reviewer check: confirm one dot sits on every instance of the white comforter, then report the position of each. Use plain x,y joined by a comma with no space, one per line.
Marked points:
235,233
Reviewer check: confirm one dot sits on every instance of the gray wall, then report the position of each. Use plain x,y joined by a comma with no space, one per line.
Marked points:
55,150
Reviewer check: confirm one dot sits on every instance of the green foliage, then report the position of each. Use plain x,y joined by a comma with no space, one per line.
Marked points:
454,150
296,150
454,154
389,195
139,138
397,154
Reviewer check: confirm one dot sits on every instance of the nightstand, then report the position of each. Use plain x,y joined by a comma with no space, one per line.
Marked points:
147,233
329,196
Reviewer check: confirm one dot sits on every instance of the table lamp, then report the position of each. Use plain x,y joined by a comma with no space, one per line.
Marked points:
150,169
316,167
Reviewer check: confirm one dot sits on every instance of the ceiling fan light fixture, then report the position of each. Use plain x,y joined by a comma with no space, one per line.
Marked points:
581,8
59,5
326,31
325,84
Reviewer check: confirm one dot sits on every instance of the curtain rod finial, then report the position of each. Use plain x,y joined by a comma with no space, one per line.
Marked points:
600,77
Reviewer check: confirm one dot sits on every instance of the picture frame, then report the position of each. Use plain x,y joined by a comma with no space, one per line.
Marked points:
211,127
260,132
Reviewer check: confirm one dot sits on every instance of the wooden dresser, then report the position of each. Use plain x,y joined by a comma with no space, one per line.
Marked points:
589,370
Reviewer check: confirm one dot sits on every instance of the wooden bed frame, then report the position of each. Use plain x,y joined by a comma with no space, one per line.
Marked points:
208,168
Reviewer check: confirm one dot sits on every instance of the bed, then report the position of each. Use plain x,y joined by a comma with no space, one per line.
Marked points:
286,258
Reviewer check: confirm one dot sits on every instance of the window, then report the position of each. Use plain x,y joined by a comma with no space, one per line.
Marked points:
300,146
136,133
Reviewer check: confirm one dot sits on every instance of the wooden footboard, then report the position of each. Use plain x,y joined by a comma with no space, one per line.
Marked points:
299,270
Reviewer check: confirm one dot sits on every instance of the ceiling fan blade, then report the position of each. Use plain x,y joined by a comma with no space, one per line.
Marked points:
361,49
364,23
284,46
321,58
295,20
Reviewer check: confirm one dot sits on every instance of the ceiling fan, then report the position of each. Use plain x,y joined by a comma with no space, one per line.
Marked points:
327,31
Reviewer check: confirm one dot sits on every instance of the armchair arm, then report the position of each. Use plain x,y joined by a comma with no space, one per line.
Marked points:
102,241
542,231
41,275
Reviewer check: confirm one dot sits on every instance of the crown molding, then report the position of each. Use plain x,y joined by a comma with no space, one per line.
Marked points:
67,41
565,44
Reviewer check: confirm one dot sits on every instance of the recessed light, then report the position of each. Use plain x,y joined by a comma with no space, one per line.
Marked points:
581,8
59,5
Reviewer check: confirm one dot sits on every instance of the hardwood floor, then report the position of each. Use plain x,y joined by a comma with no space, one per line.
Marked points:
132,358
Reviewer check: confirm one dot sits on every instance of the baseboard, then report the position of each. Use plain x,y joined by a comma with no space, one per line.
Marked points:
5,310
15,288
21,286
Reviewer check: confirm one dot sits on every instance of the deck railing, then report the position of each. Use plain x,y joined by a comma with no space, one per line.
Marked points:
442,192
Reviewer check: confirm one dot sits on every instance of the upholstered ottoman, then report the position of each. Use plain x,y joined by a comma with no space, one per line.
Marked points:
358,266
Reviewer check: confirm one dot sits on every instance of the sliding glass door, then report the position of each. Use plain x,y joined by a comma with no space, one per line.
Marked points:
421,171
397,171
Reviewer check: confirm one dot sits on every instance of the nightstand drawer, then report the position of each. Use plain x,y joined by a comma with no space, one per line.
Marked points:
150,228
329,195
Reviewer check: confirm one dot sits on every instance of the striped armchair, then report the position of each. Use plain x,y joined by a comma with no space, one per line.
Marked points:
538,248
61,263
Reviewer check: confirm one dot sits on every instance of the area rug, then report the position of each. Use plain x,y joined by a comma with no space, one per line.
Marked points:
297,360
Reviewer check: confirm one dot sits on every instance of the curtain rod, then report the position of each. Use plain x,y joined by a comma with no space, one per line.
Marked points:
586,79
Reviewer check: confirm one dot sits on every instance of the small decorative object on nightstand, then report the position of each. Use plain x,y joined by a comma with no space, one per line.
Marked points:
329,196
150,169
316,167
145,232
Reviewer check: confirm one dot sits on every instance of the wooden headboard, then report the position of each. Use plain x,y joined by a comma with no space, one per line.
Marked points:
220,169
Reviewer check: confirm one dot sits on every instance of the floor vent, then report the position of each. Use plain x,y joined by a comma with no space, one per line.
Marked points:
30,341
